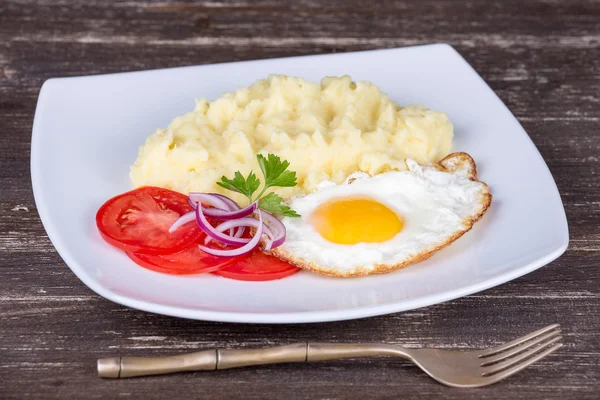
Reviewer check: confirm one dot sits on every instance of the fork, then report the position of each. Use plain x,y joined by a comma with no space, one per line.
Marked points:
465,369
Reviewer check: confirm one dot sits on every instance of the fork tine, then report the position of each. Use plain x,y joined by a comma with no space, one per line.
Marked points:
516,342
514,361
518,367
519,348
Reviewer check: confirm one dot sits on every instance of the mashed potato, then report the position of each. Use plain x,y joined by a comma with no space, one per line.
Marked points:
326,131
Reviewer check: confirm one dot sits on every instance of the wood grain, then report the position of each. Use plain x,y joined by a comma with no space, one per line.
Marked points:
541,57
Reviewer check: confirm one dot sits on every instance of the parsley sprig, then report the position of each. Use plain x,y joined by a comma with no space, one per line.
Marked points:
275,174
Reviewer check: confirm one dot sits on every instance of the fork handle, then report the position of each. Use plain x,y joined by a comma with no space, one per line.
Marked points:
211,360
333,351
128,367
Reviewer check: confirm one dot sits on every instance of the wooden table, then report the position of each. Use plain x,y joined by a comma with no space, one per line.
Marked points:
541,57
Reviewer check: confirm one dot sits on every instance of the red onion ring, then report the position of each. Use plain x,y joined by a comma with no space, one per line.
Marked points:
184,219
230,215
253,222
213,232
192,204
276,226
223,206
232,204
272,230
248,247
238,232
268,242
209,199
218,214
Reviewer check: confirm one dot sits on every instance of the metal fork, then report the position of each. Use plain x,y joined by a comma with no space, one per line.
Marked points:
455,368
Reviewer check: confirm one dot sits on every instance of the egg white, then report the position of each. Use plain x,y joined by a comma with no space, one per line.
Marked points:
434,206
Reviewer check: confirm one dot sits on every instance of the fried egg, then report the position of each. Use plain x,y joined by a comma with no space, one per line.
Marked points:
377,224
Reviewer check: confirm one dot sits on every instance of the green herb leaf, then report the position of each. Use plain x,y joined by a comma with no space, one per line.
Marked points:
272,203
274,171
246,186
276,175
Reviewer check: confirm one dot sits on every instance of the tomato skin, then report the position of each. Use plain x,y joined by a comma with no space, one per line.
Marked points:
139,221
190,260
258,266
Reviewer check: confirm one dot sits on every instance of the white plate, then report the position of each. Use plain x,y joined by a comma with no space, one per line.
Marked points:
87,131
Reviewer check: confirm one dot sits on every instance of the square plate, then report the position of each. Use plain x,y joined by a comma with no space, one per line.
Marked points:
87,132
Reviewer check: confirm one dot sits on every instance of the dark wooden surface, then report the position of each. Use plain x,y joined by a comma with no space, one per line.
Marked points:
541,57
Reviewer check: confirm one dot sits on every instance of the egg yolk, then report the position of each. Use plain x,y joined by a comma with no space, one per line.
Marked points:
351,221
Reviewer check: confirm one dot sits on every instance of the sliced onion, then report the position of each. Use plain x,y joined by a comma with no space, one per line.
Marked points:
243,222
252,222
276,226
236,221
239,231
223,205
268,242
218,214
248,247
213,232
184,219
192,203
211,200
232,204
229,215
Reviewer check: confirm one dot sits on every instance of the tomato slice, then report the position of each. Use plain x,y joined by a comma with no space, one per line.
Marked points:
258,266
138,221
190,260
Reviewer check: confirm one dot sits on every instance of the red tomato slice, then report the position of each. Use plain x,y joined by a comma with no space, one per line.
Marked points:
138,221
258,266
190,260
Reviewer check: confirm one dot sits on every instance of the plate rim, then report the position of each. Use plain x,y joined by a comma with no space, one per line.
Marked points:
278,317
